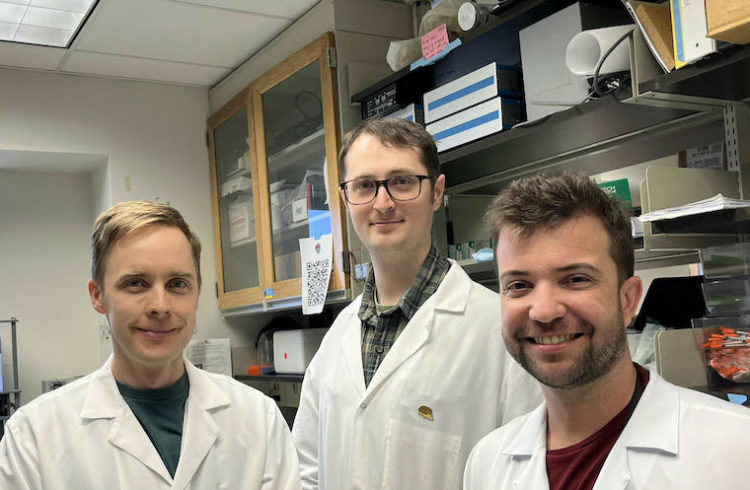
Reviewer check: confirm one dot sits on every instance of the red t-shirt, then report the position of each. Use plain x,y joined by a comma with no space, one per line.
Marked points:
577,467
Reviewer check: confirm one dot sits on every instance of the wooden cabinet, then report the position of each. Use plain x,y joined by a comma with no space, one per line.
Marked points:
273,151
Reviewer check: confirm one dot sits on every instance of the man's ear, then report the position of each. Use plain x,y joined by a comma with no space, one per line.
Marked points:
97,298
630,295
437,192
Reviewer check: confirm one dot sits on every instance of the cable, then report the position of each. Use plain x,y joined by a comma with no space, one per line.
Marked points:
603,59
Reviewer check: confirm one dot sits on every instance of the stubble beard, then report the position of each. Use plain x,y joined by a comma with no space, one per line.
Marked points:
593,363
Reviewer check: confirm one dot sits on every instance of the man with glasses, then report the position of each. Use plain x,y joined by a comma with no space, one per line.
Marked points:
413,372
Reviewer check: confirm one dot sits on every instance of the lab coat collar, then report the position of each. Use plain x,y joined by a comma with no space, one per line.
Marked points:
531,437
654,426
453,293
103,401
655,421
200,431
451,296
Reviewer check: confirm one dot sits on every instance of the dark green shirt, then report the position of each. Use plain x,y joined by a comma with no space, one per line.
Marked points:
381,329
161,413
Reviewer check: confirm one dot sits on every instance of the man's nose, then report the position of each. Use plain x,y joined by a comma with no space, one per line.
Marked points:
383,200
158,302
546,304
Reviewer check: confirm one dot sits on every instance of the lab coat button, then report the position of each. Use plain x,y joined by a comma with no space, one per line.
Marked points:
363,405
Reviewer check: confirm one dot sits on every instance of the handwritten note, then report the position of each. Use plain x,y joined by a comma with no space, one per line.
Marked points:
434,41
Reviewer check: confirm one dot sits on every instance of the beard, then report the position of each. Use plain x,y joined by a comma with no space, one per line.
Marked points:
594,362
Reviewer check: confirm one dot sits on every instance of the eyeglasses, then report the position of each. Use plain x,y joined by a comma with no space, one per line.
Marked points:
399,187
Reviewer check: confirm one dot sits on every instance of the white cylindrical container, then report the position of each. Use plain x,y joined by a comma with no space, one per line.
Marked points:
587,48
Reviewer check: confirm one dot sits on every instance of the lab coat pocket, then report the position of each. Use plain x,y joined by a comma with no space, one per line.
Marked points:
421,457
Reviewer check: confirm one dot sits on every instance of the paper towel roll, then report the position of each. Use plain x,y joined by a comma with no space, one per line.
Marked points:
586,49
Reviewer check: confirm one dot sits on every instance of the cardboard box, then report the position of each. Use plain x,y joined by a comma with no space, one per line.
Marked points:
236,184
482,84
241,217
728,20
707,157
475,122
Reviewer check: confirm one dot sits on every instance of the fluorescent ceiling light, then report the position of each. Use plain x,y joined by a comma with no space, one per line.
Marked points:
45,22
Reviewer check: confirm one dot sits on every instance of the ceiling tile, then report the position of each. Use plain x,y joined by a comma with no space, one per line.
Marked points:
25,56
44,17
290,9
12,13
143,69
80,6
177,31
7,31
43,35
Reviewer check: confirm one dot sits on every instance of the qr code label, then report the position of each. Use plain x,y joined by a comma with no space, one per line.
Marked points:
317,281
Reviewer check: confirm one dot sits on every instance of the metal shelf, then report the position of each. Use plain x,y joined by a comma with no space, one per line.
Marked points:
595,137
671,112
725,221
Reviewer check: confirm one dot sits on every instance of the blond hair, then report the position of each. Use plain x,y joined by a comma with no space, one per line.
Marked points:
126,217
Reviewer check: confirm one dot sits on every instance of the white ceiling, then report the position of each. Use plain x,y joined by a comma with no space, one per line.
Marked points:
192,42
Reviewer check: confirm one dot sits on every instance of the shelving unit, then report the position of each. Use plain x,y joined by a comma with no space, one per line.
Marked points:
299,152
659,115
729,221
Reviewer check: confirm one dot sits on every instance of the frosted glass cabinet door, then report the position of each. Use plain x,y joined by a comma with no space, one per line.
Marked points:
236,204
296,167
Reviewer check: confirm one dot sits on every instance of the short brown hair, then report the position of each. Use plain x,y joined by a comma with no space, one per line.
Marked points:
395,133
549,199
126,217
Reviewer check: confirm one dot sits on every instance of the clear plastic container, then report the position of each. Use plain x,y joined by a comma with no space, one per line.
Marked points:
265,352
727,296
726,261
725,344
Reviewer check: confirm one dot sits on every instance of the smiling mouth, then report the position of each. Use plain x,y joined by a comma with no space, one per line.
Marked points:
554,339
157,332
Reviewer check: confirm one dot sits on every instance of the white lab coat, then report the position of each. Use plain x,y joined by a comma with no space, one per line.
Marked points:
676,439
450,358
84,436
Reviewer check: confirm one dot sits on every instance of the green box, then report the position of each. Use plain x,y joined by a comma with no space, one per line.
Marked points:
619,190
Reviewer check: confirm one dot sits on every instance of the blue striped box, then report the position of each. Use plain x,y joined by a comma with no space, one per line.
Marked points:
475,122
482,84
412,112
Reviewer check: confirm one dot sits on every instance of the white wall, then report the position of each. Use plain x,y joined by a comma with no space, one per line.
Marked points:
154,137
45,220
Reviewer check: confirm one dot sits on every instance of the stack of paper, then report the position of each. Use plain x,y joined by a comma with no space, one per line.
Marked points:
716,203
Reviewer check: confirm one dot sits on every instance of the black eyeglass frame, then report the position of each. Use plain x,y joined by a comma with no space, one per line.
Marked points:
384,184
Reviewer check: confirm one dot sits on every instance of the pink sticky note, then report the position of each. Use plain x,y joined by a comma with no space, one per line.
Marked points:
434,41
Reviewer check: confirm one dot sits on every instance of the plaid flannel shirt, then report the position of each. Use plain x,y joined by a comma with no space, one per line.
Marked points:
380,331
